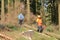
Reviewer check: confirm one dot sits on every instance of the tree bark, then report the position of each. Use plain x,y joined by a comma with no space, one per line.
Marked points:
8,6
2,11
59,13
28,11
36,5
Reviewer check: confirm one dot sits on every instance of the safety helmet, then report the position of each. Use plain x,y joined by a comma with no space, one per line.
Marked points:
39,16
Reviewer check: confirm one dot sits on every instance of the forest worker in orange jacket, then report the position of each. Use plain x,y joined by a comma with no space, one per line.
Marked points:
39,23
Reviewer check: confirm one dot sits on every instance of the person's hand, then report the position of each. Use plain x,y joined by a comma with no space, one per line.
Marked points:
44,26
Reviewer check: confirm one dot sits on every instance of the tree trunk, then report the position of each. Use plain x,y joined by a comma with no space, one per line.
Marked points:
2,11
9,12
16,10
36,5
12,6
15,5
42,12
28,11
59,13
8,6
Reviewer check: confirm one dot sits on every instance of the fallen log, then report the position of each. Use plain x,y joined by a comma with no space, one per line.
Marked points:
5,37
53,35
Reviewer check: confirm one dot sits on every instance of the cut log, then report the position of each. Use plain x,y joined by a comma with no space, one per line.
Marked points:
5,37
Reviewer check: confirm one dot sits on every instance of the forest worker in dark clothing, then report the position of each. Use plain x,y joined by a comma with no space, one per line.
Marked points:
39,23
21,18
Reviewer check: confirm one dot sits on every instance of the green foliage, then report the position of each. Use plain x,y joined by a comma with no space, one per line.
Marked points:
22,29
37,36
38,6
53,9
21,38
11,26
5,5
33,6
50,28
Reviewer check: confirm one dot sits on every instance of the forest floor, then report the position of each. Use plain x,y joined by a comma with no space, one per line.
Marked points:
17,34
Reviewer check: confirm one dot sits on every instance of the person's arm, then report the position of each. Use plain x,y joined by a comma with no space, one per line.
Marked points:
36,20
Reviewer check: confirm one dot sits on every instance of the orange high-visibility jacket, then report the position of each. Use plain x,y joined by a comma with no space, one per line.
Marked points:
39,22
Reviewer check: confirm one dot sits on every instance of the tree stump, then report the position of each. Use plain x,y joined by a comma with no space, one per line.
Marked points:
28,34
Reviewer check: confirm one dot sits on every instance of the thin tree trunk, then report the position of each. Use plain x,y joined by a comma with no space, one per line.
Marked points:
19,6
2,11
8,6
59,13
16,10
15,5
9,12
36,5
42,11
11,7
28,11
